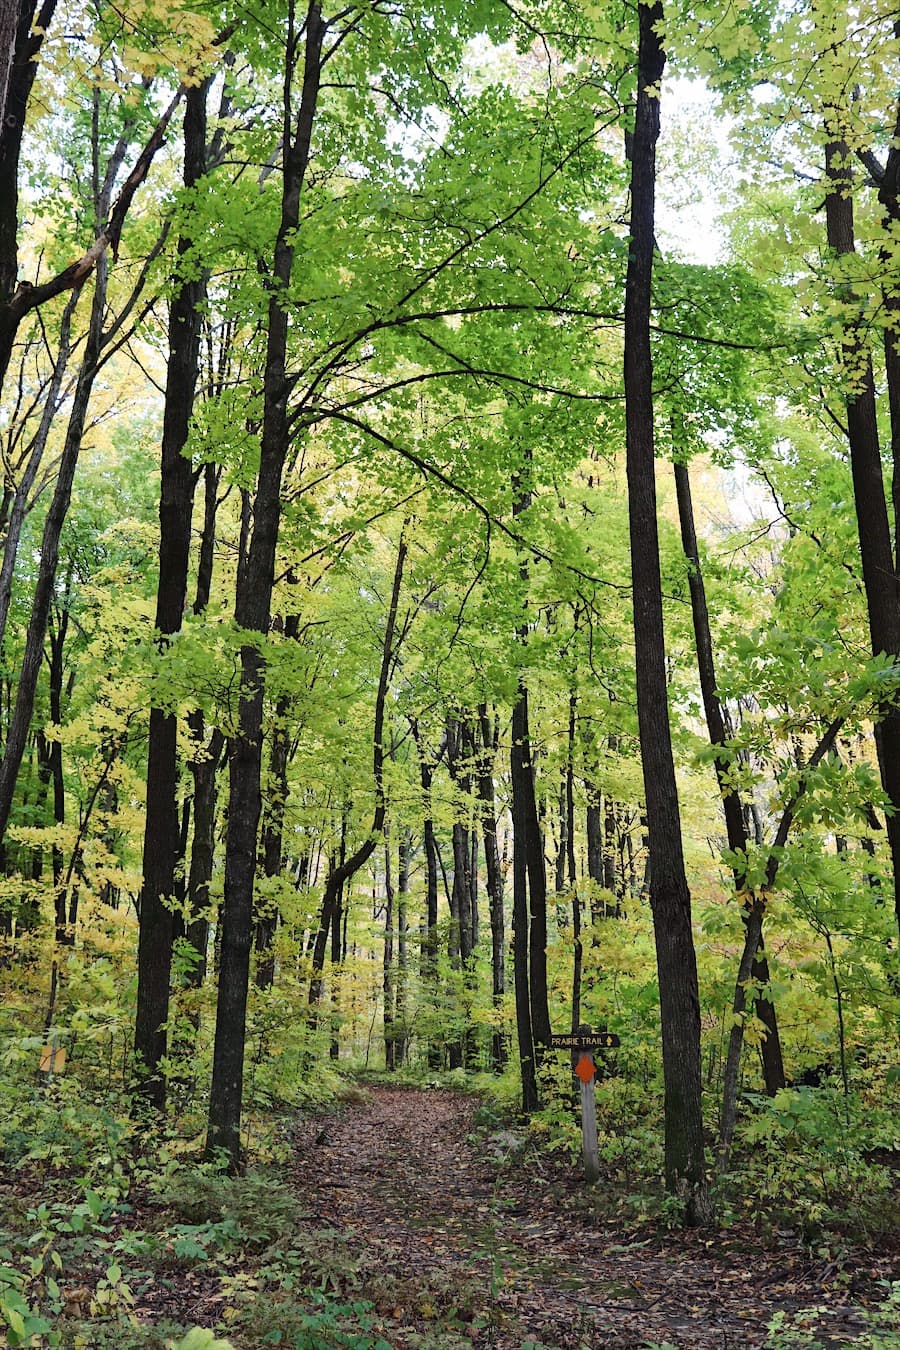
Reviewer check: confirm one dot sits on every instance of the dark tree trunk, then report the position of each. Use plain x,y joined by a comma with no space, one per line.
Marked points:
205,761
612,874
53,524
875,542
22,33
252,610
429,843
888,189
577,948
204,768
273,830
530,842
402,992
428,963
669,895
9,20
339,876
735,826
388,980
162,841
520,921
562,843
485,770
57,638
462,900
594,835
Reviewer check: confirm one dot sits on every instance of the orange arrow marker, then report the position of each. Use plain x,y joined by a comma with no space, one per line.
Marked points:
585,1068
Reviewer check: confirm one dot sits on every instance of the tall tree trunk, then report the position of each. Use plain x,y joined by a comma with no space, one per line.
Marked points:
162,841
273,828
22,32
205,760
520,924
527,838
462,903
529,878
594,835
9,21
428,965
339,876
402,982
669,895
388,977
875,544
525,812
205,765
252,610
577,948
46,578
735,816
338,942
485,757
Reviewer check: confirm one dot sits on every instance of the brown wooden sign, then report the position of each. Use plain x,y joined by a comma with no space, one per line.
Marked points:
595,1040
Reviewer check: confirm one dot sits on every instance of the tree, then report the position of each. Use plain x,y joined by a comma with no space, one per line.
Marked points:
252,607
669,895
162,841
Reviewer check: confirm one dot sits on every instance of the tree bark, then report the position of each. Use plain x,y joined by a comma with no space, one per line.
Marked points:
875,543
339,876
485,772
252,611
669,894
162,839
402,990
735,817
521,979
388,976
273,828
53,524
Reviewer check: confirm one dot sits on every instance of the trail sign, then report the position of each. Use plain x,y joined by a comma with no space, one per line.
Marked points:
594,1040
586,1041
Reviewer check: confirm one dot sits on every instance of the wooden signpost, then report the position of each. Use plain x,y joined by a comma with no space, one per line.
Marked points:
53,1057
584,1042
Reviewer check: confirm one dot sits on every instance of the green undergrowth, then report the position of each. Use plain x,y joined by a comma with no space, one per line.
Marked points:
111,1225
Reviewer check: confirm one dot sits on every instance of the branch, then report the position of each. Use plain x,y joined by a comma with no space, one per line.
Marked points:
28,297
787,819
431,471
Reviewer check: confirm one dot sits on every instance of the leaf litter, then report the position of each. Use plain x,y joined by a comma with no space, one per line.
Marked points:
463,1243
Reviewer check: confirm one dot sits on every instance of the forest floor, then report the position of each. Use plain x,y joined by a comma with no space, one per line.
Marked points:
460,1240
405,1220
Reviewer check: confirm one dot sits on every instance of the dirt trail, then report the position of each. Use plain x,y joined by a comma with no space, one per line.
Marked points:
448,1234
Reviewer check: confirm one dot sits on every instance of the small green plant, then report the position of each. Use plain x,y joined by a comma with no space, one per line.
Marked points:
329,1325
199,1339
19,1321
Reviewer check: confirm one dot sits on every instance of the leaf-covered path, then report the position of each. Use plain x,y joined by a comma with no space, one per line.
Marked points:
459,1241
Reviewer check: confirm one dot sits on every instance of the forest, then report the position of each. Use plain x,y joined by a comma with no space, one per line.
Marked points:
449,597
